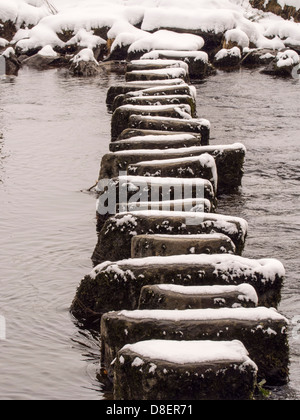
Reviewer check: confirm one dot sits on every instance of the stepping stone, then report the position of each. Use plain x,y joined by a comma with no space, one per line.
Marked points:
159,74
134,190
170,296
229,159
130,133
161,90
143,246
124,88
120,118
263,332
184,371
203,166
154,141
197,61
122,227
198,126
162,100
113,286
200,205
155,65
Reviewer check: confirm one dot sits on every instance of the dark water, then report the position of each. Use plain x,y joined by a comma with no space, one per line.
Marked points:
53,132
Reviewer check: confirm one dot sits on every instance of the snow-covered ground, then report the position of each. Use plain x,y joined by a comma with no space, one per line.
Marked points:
39,21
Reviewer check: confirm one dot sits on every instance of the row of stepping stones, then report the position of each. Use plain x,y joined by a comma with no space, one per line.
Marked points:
183,315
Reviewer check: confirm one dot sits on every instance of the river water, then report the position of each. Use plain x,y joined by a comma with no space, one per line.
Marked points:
53,132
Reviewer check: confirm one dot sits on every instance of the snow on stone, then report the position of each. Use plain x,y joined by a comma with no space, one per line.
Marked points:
246,290
287,59
187,352
167,40
3,42
173,72
85,55
47,51
196,55
243,314
233,52
86,39
8,52
238,36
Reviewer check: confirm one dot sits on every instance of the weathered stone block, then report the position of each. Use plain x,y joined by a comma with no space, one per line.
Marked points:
121,116
198,126
184,371
200,205
156,65
165,245
202,166
197,61
162,90
123,227
154,141
158,74
162,100
229,160
263,332
169,296
116,286
124,88
143,191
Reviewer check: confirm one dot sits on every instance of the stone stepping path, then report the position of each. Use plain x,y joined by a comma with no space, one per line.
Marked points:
181,310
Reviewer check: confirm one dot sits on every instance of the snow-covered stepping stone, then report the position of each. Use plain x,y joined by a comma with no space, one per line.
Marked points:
117,285
263,332
162,100
184,371
155,141
161,90
134,190
203,166
170,296
122,227
121,116
124,88
229,159
200,126
156,65
197,61
143,246
159,74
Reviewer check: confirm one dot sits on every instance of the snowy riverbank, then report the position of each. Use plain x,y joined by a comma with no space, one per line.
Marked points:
65,25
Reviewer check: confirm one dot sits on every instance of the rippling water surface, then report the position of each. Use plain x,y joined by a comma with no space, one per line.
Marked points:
53,132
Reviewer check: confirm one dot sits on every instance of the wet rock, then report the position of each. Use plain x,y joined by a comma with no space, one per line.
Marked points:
196,126
7,29
274,6
286,64
163,90
263,331
160,74
202,166
162,100
121,116
122,89
228,59
174,297
12,63
258,57
153,141
122,227
41,62
118,285
229,158
147,371
143,246
197,61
